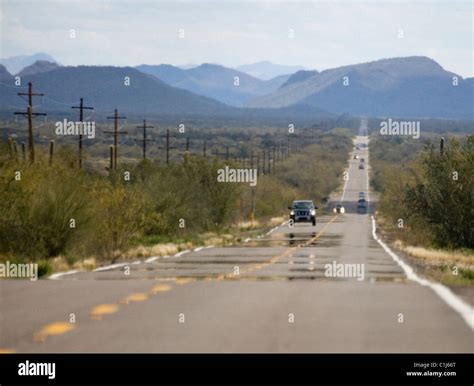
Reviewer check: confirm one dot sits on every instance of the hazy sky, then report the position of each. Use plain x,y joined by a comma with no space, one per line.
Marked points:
326,33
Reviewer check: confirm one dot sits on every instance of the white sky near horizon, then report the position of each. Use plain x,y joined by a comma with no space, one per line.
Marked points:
327,34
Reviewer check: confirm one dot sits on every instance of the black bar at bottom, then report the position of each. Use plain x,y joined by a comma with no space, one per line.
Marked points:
135,369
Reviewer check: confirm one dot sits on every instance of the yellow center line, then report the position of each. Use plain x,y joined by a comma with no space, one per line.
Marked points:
103,309
139,297
160,288
7,351
59,328
56,328
184,280
276,258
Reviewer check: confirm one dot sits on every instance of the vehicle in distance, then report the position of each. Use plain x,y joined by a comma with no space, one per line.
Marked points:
362,160
339,209
361,195
356,157
303,211
361,166
361,206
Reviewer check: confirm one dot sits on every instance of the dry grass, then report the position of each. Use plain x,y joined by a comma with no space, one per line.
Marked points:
274,221
438,257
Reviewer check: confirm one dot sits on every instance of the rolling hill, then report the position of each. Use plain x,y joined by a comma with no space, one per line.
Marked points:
412,87
38,67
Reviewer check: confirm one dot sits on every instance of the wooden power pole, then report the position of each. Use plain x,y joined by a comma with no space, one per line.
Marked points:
116,133
30,114
81,108
145,139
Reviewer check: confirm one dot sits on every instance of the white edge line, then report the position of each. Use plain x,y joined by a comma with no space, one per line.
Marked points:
56,276
111,266
182,253
452,300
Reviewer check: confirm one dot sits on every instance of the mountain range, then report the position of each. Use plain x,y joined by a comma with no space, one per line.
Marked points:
411,87
105,88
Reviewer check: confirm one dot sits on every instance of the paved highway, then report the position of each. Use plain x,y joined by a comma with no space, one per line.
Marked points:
270,294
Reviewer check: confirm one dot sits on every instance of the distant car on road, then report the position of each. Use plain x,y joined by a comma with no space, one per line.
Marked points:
356,157
303,211
362,160
361,166
361,195
361,206
339,209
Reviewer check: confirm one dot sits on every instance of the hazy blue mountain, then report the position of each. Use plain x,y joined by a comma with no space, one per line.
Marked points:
266,70
103,88
5,76
214,81
38,67
299,76
15,64
412,86
165,72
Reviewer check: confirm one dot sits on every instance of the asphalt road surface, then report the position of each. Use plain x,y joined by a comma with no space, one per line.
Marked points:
270,294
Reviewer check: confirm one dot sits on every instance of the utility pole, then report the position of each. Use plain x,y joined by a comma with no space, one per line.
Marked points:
116,133
269,168
81,108
23,151
145,139
51,152
252,192
258,164
274,159
187,154
168,147
30,114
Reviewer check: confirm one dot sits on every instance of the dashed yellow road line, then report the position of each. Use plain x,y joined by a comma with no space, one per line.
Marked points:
138,297
56,328
274,259
289,251
184,280
59,328
160,288
103,309
7,351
